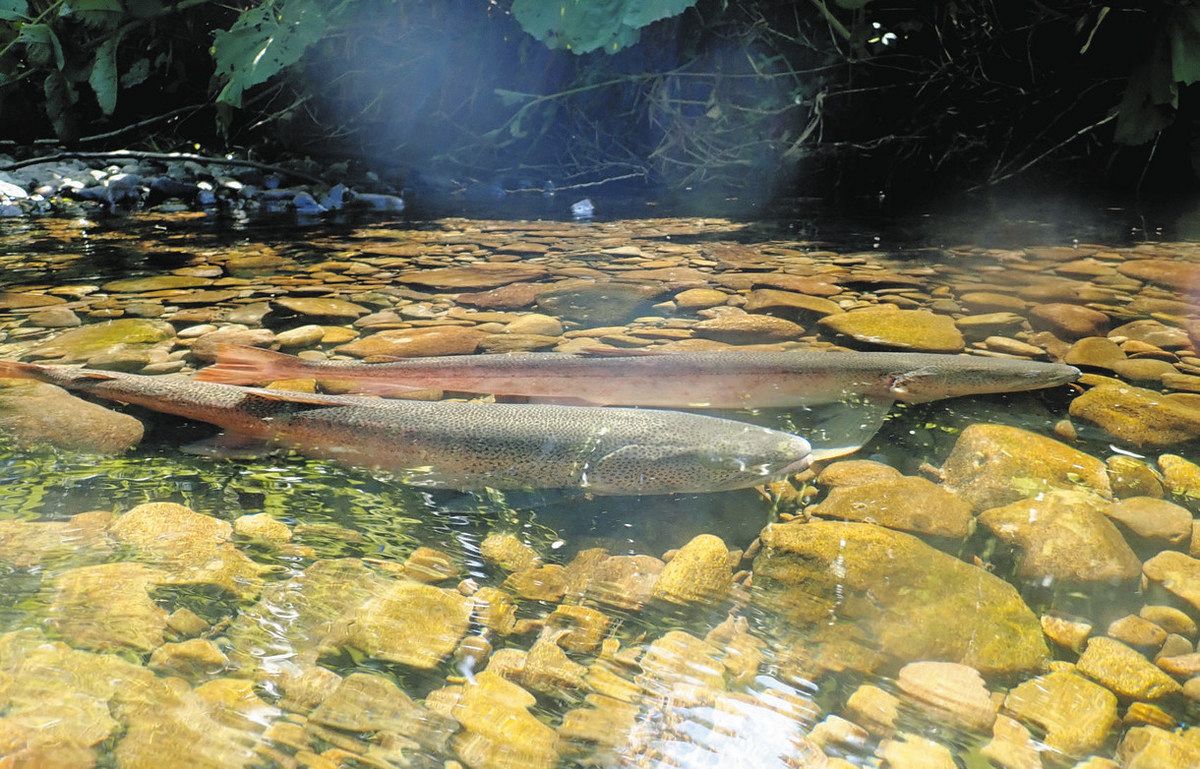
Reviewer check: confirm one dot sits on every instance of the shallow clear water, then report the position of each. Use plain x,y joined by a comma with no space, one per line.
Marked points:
359,621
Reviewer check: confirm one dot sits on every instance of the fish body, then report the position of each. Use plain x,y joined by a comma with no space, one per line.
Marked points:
668,380
471,445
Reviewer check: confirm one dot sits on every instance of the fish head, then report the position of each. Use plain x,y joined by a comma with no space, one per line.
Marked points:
960,375
739,458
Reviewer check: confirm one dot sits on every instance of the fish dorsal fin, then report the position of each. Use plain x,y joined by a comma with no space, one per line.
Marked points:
99,376
288,396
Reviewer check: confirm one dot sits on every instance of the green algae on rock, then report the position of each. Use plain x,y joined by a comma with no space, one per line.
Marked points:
918,330
992,465
1075,714
1124,671
924,605
126,334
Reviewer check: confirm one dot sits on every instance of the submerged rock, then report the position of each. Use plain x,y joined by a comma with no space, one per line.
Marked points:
1177,573
1124,671
108,607
193,549
482,275
950,693
699,573
918,330
1075,714
602,303
35,413
125,335
992,465
923,605
904,503
1138,416
499,732
1063,536
415,342
406,622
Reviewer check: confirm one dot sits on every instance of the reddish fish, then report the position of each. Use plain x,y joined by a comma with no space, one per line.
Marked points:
668,380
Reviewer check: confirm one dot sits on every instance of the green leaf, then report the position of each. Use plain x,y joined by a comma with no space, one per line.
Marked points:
13,10
41,44
1185,45
136,74
587,25
851,5
103,79
60,96
263,42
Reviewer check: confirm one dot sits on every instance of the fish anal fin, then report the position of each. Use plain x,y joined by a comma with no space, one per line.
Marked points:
229,446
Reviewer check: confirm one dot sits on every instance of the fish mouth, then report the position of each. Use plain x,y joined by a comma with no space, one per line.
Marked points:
798,466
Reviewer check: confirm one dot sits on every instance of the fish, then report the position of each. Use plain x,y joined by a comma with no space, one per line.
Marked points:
469,446
717,380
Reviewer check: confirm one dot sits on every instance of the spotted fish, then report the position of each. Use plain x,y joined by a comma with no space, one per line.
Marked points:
470,445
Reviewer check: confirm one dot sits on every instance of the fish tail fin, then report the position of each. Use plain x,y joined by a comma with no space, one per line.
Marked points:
11,369
241,365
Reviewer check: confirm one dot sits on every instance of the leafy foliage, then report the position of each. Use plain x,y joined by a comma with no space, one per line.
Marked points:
583,26
1152,93
263,42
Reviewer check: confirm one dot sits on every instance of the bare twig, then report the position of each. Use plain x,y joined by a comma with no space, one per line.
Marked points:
1086,129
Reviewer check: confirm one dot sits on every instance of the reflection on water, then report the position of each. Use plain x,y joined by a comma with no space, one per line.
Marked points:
1004,581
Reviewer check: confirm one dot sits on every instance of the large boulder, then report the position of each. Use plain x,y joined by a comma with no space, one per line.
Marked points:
992,465
39,413
915,602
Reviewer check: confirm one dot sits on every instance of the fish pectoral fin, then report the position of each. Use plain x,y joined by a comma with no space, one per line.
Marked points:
839,429
230,446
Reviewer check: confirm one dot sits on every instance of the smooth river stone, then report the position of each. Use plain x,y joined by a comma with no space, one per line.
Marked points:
735,328
789,304
78,344
409,623
36,413
154,283
1163,523
906,503
415,342
1138,416
898,329
949,692
1069,321
474,277
321,307
1075,714
13,300
603,303
1153,332
1177,573
1063,536
1124,671
992,465
915,602
1182,276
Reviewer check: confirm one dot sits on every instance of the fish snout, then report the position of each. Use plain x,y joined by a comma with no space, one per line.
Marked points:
797,456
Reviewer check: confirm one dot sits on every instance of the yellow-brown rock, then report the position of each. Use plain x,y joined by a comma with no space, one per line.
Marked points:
507,551
1075,714
188,659
1131,477
853,472
873,708
892,329
924,604
992,465
909,751
499,732
1138,416
578,628
108,607
699,573
622,581
905,503
950,693
39,414
263,528
1124,671
1012,746
1155,521
193,548
543,583
1139,633
407,622
1177,573
1149,747
1180,476
1063,535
